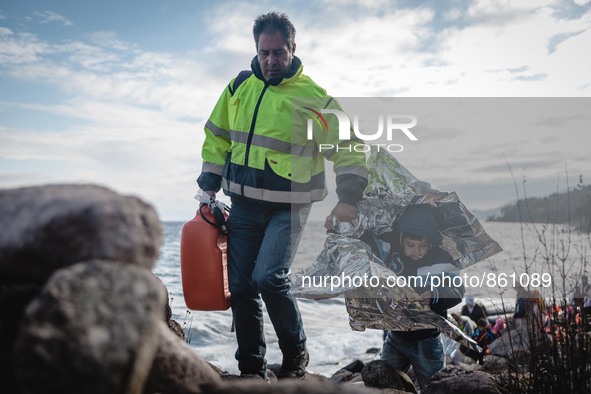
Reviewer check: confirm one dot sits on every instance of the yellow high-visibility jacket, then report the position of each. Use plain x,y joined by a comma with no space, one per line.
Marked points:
259,145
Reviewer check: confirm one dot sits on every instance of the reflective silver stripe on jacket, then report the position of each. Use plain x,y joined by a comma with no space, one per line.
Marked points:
213,168
217,131
288,197
355,170
264,141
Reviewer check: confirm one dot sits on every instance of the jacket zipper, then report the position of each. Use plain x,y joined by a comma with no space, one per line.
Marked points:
250,135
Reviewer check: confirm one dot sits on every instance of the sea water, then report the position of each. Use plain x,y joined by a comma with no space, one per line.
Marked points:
331,342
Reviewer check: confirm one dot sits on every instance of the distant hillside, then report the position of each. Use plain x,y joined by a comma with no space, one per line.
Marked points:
572,207
484,215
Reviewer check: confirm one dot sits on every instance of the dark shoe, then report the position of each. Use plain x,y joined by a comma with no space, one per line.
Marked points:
294,367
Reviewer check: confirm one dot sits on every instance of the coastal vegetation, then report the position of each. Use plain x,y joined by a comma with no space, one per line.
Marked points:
552,348
572,207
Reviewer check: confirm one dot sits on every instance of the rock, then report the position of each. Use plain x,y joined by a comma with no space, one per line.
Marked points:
13,301
514,346
379,374
459,381
232,377
287,386
173,325
176,328
450,372
355,379
218,370
49,227
373,350
347,372
176,367
93,329
494,364
342,375
308,377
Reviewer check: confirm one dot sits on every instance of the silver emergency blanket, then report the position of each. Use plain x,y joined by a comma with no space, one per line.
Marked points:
348,266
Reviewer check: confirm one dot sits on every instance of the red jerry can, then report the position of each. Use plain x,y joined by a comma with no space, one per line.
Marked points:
204,263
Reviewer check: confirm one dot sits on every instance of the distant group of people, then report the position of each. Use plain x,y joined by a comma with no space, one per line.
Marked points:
529,307
553,319
575,314
581,304
581,296
473,322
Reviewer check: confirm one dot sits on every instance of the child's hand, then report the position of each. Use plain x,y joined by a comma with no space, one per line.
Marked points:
425,298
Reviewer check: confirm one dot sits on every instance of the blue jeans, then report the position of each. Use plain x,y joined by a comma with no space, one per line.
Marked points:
425,355
262,242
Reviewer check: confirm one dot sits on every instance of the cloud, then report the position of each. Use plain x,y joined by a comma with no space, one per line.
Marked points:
120,74
109,39
19,48
135,116
518,69
51,17
558,39
532,78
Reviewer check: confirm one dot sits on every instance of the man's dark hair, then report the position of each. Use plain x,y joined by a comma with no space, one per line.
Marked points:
274,23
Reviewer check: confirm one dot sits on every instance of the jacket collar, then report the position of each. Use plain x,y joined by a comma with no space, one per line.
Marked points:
295,70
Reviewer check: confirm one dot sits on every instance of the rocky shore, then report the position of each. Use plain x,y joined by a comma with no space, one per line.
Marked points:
82,312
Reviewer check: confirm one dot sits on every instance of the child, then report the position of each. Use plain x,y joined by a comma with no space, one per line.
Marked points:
483,336
499,327
464,323
415,251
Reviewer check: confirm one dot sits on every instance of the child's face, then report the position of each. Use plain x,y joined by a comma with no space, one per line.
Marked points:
415,249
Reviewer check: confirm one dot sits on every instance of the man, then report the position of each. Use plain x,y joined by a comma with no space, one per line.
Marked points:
472,309
257,147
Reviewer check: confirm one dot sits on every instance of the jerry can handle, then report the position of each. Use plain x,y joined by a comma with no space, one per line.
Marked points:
216,209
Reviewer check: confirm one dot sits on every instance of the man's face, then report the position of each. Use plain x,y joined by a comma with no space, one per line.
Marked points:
415,249
274,55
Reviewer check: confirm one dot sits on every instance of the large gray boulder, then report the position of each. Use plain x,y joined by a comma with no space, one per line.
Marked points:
287,386
379,374
45,228
459,381
93,329
176,367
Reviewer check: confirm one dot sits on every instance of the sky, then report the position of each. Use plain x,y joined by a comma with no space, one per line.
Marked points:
116,93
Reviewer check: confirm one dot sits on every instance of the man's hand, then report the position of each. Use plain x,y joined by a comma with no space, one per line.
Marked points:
342,212
204,200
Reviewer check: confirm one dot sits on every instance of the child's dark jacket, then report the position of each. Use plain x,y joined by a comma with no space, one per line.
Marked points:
420,220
